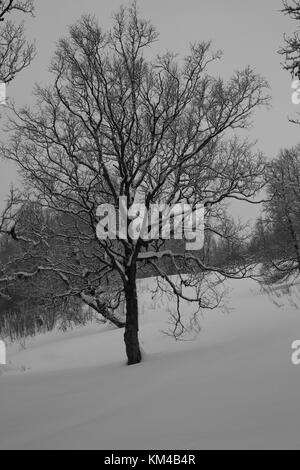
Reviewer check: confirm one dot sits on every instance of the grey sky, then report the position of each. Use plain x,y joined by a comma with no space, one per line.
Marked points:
249,33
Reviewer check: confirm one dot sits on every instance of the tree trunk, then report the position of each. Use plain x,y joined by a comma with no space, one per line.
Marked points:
131,337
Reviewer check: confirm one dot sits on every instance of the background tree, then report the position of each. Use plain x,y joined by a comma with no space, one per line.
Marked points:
276,238
118,123
15,55
15,52
31,300
291,50
280,237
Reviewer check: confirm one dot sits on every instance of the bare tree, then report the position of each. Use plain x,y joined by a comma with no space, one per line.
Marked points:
291,48
15,52
118,123
282,217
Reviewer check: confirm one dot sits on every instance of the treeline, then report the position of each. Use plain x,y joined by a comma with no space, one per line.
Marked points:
276,240
33,299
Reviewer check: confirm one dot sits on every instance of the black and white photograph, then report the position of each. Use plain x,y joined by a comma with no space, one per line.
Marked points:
149,227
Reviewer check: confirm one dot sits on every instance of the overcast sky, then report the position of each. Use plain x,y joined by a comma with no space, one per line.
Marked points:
249,33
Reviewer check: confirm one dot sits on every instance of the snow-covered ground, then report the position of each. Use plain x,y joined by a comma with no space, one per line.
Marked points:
232,388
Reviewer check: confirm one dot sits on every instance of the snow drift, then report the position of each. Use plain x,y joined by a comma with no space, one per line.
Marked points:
234,387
